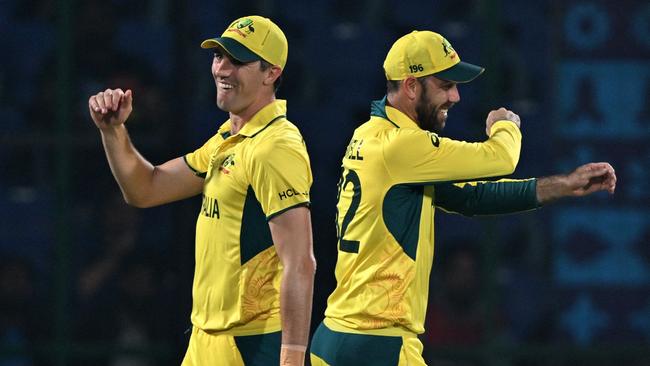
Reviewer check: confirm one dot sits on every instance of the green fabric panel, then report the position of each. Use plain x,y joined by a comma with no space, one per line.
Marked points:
261,349
402,210
255,235
487,198
347,349
378,108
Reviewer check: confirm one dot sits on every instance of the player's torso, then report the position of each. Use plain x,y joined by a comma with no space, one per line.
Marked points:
386,240
237,274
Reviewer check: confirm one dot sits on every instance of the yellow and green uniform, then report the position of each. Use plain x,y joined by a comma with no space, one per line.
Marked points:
250,177
394,175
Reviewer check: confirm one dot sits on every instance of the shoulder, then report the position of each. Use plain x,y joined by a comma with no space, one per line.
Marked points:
279,138
407,138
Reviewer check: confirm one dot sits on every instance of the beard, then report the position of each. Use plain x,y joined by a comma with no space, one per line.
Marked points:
430,117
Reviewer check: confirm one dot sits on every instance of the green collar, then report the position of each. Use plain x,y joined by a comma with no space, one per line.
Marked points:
378,108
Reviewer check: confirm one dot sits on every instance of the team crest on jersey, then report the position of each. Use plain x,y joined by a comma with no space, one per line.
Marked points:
227,164
447,49
242,27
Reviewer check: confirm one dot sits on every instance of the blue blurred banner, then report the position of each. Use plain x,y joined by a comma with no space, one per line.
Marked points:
601,258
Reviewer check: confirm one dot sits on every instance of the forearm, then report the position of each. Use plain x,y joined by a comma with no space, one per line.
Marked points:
295,303
131,170
487,198
552,188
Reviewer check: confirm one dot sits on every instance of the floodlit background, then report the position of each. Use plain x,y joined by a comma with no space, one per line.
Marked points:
87,280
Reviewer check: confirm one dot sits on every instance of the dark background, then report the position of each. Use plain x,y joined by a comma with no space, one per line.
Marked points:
85,279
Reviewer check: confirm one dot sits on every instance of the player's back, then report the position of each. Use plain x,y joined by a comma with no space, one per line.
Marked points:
374,269
385,215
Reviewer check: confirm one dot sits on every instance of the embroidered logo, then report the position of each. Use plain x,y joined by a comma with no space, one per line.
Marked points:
243,27
447,49
227,164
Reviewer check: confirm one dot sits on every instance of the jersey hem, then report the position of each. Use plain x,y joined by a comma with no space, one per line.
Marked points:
336,326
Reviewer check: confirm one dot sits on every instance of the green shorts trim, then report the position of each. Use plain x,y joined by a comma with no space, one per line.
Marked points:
343,349
261,349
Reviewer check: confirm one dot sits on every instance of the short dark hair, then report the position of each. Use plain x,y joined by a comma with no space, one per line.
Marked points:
393,85
265,65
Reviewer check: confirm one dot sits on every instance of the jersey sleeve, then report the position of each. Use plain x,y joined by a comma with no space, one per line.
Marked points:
280,175
417,156
199,160
487,198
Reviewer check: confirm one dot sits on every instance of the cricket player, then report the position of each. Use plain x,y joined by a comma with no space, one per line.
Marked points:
396,171
253,281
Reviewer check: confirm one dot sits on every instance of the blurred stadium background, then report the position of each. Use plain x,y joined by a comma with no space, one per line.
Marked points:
87,280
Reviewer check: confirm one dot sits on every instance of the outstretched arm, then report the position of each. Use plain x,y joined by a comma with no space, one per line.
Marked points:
292,237
509,196
585,180
142,183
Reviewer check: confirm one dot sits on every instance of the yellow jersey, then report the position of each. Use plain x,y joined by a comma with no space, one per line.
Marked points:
385,212
250,177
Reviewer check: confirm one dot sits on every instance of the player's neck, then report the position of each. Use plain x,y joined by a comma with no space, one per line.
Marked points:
238,120
402,104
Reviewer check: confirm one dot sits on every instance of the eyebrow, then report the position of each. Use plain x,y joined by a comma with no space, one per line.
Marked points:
444,83
225,53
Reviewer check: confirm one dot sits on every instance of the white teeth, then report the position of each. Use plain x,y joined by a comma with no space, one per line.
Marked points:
223,85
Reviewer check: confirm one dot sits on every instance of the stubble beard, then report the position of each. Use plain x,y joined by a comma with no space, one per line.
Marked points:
429,117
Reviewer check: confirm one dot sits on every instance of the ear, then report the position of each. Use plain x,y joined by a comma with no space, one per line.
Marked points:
410,86
272,74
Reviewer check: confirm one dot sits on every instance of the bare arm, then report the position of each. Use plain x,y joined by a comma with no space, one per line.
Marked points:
142,183
585,180
292,237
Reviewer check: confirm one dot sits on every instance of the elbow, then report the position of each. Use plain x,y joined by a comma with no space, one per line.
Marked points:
509,162
305,267
136,201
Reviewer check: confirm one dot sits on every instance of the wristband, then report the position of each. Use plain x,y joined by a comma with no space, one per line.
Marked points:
294,347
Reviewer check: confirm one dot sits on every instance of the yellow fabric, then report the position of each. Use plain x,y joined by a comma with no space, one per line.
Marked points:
419,53
411,352
209,349
264,167
317,361
381,287
260,35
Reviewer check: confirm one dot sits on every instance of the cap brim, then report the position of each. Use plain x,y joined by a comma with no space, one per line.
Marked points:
234,48
462,72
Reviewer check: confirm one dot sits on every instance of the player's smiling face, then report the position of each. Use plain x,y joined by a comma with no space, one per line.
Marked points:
238,84
437,97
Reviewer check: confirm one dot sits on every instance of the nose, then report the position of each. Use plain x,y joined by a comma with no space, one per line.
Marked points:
453,94
220,65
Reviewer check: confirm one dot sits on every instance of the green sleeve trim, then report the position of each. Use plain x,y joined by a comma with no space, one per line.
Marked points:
487,198
196,172
306,204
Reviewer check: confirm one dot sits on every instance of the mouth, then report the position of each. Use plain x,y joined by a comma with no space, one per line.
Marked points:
222,85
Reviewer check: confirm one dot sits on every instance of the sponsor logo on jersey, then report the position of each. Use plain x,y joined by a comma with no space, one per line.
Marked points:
290,193
435,140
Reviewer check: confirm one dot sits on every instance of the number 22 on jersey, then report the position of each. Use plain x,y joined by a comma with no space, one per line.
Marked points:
349,182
